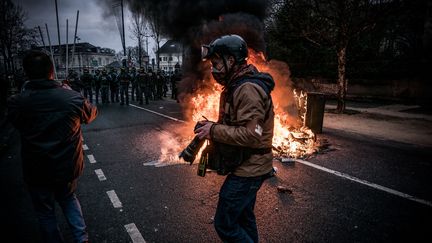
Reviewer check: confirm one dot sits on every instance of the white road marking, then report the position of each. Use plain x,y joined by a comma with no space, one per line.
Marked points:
114,199
157,113
367,183
91,158
85,147
100,175
134,233
337,173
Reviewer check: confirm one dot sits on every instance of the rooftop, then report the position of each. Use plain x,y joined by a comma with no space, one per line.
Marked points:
170,47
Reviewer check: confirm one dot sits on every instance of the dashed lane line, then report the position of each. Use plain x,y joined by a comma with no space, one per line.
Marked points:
100,175
366,183
85,147
134,233
91,158
114,199
337,173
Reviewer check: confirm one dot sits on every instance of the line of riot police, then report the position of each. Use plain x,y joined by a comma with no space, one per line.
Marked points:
111,87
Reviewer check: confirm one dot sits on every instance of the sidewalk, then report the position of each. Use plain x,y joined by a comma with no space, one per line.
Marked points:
400,111
6,130
400,123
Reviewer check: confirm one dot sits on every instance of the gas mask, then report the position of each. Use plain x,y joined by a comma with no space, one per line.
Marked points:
221,68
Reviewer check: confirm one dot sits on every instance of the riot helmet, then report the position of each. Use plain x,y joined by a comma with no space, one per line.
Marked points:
227,45
225,53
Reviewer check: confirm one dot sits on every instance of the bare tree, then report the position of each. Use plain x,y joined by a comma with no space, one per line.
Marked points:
139,29
12,32
155,23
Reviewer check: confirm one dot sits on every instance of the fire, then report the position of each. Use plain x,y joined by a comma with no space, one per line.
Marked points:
291,138
206,104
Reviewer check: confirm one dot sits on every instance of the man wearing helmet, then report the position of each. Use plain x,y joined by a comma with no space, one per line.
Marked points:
74,81
143,83
97,84
134,86
87,81
105,80
124,79
242,136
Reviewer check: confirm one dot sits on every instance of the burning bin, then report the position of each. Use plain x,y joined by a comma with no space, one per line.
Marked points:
315,111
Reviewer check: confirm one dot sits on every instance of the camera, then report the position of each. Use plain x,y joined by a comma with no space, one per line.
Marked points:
191,151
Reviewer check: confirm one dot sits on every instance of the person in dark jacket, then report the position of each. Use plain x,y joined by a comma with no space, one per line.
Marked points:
48,117
243,132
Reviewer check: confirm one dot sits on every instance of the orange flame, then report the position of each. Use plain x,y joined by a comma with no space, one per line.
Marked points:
291,138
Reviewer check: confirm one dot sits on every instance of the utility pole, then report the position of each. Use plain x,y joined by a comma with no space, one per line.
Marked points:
51,51
43,41
75,37
58,30
67,45
123,33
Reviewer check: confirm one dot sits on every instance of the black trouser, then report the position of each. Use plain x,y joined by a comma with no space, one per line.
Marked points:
104,94
88,93
114,94
144,90
97,89
124,91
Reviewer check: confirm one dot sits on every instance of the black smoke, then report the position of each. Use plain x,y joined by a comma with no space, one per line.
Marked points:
197,22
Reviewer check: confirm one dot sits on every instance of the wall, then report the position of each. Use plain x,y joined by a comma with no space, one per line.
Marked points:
415,90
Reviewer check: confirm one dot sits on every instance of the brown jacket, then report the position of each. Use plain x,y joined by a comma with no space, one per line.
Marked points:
251,119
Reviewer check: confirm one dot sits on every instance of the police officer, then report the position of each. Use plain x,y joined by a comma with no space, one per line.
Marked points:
165,77
87,81
175,79
114,86
152,83
143,86
124,79
134,85
243,132
74,81
159,84
97,84
105,80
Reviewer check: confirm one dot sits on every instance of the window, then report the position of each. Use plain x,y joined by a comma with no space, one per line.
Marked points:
170,59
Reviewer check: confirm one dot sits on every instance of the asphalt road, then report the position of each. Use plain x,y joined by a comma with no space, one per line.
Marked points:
358,189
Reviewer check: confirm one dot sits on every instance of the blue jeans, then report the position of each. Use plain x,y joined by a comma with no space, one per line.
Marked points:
235,219
44,199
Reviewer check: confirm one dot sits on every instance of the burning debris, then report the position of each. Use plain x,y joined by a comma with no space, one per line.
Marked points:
197,22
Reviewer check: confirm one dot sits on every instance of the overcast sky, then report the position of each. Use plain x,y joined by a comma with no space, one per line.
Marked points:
94,26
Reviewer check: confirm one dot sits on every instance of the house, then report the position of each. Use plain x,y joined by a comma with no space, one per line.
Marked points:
85,55
170,55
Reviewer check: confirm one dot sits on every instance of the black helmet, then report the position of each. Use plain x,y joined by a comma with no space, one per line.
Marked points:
232,45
